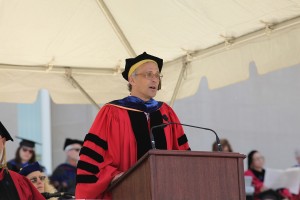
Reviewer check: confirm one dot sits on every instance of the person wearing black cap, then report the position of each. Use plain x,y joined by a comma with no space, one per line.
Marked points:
13,186
120,134
34,172
25,154
64,176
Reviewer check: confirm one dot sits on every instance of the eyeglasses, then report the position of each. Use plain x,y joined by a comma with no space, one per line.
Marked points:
35,179
150,75
259,158
76,149
26,149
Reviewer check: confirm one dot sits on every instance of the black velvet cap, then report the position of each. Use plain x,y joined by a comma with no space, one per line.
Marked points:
30,168
130,62
27,143
5,133
71,141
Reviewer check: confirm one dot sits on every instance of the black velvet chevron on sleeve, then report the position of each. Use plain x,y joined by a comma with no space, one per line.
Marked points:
96,140
86,179
88,167
92,154
182,140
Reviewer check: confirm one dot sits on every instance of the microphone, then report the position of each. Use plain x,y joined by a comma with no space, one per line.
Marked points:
163,125
66,195
167,124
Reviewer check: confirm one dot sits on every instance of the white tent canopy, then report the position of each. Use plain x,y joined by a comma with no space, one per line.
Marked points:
76,48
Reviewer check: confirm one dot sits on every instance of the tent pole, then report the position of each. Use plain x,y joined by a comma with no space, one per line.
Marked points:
77,85
178,84
116,28
58,69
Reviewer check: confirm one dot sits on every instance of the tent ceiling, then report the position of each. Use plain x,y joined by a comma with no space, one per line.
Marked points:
76,47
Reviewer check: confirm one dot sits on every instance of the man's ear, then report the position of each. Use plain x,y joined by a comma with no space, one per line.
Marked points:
159,85
131,80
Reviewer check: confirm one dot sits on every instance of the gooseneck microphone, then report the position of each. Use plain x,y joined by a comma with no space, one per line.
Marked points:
151,133
163,125
208,129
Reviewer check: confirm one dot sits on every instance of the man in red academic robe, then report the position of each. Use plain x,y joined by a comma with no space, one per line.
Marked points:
120,134
13,186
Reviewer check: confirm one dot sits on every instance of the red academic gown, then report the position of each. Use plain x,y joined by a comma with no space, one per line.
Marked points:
112,146
258,184
25,188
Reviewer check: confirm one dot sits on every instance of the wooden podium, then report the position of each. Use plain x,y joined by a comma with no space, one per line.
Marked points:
167,175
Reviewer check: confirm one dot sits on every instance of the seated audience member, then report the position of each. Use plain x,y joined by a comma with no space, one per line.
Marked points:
64,176
35,174
25,155
13,185
225,145
257,172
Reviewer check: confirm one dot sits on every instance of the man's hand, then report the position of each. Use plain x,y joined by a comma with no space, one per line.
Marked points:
117,176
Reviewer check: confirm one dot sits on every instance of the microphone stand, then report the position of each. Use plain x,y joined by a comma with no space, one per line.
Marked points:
164,125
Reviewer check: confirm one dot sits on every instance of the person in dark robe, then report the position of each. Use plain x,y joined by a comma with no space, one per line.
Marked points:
35,174
13,186
64,176
120,134
25,154
257,172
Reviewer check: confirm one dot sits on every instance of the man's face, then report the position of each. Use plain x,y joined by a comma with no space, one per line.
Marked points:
145,82
73,153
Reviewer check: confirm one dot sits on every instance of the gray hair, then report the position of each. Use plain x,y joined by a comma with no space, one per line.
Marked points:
129,86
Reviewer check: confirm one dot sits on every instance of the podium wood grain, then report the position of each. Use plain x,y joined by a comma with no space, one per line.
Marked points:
166,175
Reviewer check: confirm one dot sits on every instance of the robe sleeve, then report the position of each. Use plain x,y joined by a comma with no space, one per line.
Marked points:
96,167
256,183
180,141
25,188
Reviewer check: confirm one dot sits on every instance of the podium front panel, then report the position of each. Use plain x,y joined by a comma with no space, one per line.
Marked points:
208,178
173,175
